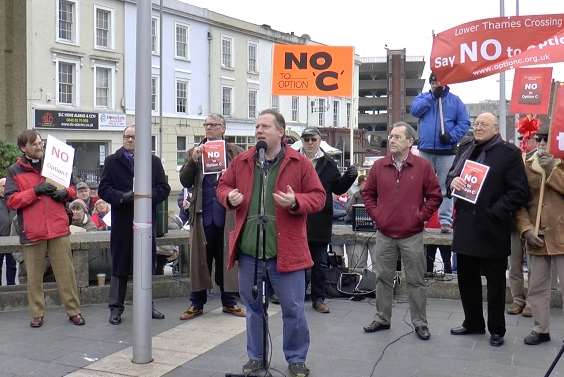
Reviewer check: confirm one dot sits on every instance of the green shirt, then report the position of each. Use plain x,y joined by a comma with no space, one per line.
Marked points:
248,240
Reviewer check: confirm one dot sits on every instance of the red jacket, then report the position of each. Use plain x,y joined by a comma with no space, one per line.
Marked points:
400,202
296,171
39,217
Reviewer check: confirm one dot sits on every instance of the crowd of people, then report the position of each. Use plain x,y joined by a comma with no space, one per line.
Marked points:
241,234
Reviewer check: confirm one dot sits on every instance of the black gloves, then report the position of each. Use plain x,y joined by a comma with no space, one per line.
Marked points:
438,92
444,138
127,197
351,171
59,195
44,189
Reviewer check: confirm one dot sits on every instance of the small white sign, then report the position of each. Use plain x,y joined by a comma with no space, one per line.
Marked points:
111,121
107,219
59,158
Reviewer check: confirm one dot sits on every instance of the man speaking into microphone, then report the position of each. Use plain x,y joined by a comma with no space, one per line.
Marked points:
293,190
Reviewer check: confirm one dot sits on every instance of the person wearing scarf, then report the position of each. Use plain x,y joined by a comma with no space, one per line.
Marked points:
482,230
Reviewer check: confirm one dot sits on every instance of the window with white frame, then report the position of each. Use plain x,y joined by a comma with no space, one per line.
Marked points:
155,35
244,142
181,41
104,36
348,114
226,52
181,96
226,100
252,50
67,21
154,93
275,103
198,139
321,109
67,82
295,109
103,77
336,113
180,150
252,103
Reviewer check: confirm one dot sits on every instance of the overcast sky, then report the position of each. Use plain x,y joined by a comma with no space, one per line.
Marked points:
370,25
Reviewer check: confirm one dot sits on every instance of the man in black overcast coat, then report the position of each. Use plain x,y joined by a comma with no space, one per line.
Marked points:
116,188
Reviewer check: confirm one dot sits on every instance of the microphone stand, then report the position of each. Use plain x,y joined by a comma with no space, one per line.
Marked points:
555,361
262,220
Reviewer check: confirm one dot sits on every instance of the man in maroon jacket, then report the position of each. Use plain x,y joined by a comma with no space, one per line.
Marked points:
401,193
43,228
293,190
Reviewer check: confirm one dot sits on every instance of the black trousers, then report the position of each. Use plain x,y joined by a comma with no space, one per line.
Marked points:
446,254
319,270
470,270
118,289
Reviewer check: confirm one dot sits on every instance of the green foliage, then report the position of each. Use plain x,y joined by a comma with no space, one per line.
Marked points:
8,154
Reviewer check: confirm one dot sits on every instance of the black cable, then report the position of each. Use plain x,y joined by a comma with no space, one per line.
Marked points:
391,343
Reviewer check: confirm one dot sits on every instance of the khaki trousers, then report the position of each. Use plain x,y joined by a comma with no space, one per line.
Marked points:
414,261
539,288
59,252
516,278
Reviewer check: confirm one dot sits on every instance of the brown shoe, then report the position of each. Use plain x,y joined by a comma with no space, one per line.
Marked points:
527,312
191,313
235,310
77,320
515,309
36,322
321,307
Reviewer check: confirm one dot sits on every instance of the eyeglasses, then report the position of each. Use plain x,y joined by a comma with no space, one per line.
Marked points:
310,139
129,137
540,138
213,125
481,125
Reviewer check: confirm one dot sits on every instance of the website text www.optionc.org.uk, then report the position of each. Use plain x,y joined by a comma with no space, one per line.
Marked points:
512,62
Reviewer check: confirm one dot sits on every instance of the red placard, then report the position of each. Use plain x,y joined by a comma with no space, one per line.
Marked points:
474,174
484,47
531,90
213,157
556,136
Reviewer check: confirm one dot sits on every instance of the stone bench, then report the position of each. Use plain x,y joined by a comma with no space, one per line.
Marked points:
86,243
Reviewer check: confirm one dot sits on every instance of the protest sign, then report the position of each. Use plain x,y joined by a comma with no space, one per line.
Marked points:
531,90
474,175
556,136
312,70
214,159
484,47
58,162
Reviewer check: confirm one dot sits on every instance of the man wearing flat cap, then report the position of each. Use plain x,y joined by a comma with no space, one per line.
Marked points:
319,225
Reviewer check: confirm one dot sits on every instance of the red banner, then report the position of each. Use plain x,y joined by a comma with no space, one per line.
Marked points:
531,90
484,47
556,137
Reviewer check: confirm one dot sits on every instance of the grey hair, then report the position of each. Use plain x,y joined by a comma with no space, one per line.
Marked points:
217,117
410,132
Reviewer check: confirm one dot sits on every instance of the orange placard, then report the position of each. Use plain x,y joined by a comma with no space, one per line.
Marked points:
312,70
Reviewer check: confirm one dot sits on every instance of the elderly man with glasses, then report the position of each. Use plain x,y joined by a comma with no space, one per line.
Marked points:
210,223
482,231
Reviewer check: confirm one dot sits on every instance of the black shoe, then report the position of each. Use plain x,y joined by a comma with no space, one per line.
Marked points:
253,367
375,326
115,317
156,314
535,338
464,331
496,340
422,332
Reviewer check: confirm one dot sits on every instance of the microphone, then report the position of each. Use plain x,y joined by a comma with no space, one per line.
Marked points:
261,150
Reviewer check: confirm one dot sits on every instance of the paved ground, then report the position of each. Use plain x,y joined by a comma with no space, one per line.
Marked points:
215,344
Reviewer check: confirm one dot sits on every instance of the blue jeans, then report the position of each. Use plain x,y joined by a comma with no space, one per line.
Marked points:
290,289
442,164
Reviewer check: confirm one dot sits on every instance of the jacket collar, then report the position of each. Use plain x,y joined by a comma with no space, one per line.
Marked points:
388,160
